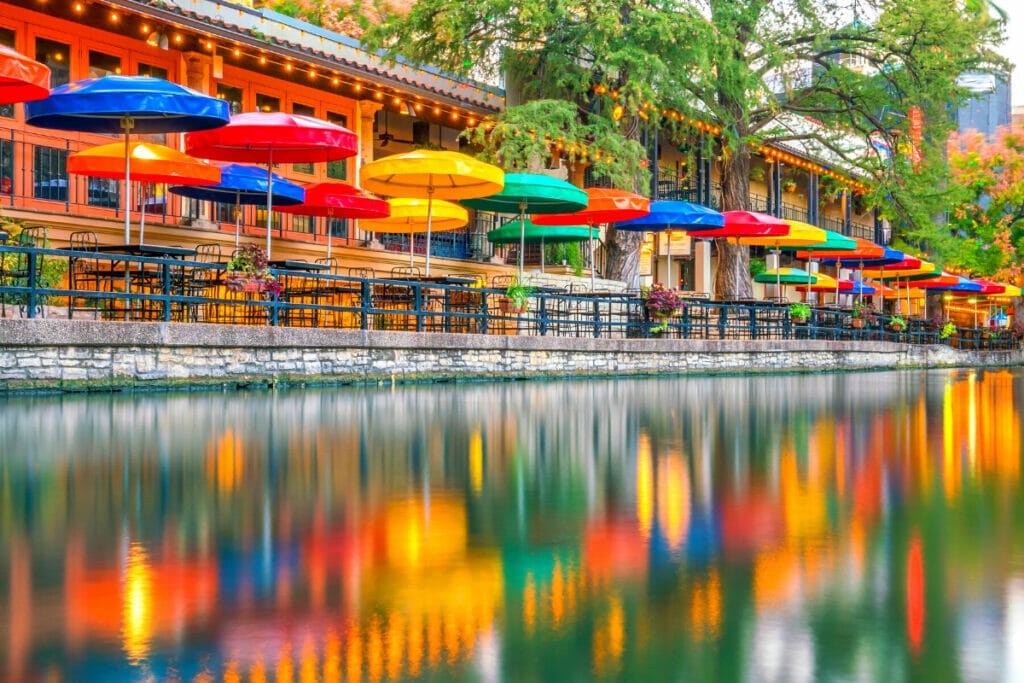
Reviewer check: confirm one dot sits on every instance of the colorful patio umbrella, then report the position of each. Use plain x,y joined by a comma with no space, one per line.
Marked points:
153,163
526,232
787,276
745,224
605,205
339,200
126,105
860,288
800,235
21,79
429,174
834,244
674,215
986,288
269,137
533,193
827,283
410,216
243,185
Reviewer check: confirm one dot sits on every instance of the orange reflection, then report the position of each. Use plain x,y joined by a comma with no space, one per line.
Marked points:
915,595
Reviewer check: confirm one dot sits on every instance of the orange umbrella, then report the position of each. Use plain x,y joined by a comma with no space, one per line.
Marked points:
150,163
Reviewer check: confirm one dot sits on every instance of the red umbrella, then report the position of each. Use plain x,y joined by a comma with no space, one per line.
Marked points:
604,205
21,79
339,200
988,288
268,137
746,224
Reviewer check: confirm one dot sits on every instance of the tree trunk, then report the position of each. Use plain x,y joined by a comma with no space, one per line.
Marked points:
622,255
732,278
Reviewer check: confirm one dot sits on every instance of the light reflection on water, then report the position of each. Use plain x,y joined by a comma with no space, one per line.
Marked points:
855,527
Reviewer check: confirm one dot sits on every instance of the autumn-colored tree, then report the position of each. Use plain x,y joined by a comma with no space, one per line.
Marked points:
987,222
749,69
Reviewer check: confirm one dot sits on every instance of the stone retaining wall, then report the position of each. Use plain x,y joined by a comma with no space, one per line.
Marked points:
84,355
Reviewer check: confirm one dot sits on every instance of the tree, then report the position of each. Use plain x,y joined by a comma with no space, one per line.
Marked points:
746,69
989,216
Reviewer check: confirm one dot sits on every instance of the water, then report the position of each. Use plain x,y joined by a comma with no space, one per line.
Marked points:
865,527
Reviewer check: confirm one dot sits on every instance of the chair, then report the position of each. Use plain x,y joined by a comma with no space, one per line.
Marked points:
406,271
14,268
331,262
90,274
201,282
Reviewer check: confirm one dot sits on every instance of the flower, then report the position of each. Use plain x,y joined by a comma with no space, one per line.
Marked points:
662,303
249,265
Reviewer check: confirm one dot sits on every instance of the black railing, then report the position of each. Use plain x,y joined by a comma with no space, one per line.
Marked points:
116,286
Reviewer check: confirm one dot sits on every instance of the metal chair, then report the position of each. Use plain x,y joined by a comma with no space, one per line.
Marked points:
90,274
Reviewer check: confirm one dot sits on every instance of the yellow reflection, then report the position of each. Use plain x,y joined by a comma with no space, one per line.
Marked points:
644,486
706,607
425,532
224,461
674,501
529,604
354,655
395,643
137,620
332,658
557,595
476,461
608,641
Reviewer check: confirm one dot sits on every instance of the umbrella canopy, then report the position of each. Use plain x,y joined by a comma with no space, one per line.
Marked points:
127,104
834,243
269,137
244,185
889,257
152,163
863,250
962,286
409,216
513,231
1012,290
861,288
986,288
533,193
881,288
938,281
429,174
788,276
339,200
674,215
605,205
908,268
826,283
800,235
746,224
21,79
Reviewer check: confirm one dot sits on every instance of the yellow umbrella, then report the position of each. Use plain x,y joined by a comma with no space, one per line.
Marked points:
1011,290
800,235
428,174
411,216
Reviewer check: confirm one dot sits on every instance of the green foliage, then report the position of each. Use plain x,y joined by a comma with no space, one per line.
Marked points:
757,266
519,292
570,253
51,270
947,331
898,323
799,311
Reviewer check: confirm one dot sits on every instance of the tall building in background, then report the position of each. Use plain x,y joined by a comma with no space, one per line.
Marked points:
989,104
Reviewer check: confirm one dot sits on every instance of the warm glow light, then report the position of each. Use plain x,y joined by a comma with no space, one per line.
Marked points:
145,28
79,7
288,67
455,116
335,80
263,60
237,53
178,38
378,95
209,45
115,17
137,616
417,106
312,74
359,87
437,110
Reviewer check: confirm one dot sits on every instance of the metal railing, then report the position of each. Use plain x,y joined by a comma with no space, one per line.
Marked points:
139,288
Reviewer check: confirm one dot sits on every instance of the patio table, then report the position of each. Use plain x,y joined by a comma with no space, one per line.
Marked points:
155,285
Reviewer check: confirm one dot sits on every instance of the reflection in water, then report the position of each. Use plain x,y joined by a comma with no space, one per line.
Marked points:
856,527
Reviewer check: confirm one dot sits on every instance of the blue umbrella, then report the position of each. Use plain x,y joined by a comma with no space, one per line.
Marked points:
244,185
672,215
965,286
861,289
127,104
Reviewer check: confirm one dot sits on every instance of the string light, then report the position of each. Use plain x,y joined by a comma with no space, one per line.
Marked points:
115,17
263,59
79,7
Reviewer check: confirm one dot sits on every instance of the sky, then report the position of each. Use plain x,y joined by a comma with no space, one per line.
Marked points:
1013,48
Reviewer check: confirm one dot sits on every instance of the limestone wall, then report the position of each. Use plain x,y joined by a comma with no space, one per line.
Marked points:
79,355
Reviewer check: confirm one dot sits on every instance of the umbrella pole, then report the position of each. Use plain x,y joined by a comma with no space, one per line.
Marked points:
238,215
593,266
838,269
809,276
328,225
542,254
270,181
522,238
778,274
142,212
127,183
430,207
668,259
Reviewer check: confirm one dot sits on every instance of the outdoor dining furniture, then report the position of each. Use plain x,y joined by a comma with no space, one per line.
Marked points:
165,279
90,275
14,269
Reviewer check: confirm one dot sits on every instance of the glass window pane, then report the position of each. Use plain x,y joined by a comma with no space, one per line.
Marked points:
306,224
267,103
154,71
104,192
49,173
101,64
7,40
303,110
56,56
232,95
6,167
337,170
338,227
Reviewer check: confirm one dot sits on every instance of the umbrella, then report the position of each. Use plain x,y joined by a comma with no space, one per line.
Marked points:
787,276
746,224
527,232
605,205
339,200
153,163
834,244
126,104
268,137
826,283
428,174
243,185
410,216
672,215
21,79
534,193
799,235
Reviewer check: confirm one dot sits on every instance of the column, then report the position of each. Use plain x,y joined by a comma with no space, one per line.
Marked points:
366,112
775,189
812,267
195,70
876,215
702,275
812,198
771,262
847,212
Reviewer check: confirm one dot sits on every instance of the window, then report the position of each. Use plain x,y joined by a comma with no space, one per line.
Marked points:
6,167
103,192
338,227
303,110
231,95
49,173
153,71
337,170
101,64
56,56
305,224
261,219
267,103
7,40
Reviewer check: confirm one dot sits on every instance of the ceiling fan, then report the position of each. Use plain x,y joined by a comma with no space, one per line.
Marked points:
386,137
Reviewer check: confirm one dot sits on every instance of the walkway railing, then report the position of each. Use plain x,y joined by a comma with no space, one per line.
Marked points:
125,287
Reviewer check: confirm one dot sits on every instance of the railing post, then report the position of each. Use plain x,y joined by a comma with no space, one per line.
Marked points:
274,305
542,314
597,317
484,314
166,271
752,312
723,314
32,282
364,304
417,298
686,322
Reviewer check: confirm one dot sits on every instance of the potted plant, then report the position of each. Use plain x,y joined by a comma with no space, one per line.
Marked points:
863,314
757,173
897,323
516,297
947,331
248,271
789,185
661,304
799,313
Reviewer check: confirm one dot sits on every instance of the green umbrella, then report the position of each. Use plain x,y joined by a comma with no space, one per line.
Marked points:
833,242
533,193
531,233
786,276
